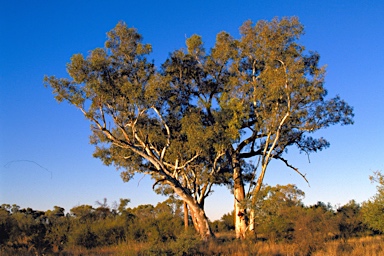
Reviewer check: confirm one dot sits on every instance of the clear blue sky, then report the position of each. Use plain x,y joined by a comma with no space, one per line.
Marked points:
39,37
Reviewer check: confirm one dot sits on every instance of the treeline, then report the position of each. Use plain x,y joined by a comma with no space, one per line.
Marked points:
282,218
52,231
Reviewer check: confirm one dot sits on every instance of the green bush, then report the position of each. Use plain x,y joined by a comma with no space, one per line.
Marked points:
187,243
83,236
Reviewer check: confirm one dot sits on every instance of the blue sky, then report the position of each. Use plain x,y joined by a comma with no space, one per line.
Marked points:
45,156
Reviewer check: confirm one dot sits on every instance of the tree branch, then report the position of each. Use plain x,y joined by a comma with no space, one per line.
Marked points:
177,167
168,134
292,167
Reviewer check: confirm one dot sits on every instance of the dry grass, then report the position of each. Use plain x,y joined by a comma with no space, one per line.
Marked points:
372,246
225,244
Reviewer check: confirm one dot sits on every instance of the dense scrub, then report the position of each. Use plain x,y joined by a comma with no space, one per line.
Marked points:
285,227
37,232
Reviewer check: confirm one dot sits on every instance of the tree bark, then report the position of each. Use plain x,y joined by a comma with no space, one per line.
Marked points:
252,216
201,222
239,196
199,218
185,216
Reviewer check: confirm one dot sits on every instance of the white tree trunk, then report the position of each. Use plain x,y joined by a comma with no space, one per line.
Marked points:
199,218
252,216
239,196
200,222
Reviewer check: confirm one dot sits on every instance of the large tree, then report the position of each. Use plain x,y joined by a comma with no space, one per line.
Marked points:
276,99
262,93
143,120
202,115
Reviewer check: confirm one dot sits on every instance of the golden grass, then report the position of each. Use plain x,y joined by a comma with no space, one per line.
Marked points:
225,244
370,246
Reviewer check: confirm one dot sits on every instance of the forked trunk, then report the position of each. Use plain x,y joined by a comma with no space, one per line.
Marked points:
200,220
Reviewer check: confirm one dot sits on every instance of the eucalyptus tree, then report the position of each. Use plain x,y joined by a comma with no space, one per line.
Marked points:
144,120
277,100
203,114
208,77
262,94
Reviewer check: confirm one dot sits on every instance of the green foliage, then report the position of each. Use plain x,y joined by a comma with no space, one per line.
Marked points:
82,235
189,123
314,226
83,213
159,230
156,224
186,244
5,223
350,220
373,209
228,221
225,224
276,211
58,227
24,230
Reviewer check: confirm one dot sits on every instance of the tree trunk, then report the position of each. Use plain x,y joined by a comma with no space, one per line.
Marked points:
239,195
200,222
252,216
186,219
199,218
255,191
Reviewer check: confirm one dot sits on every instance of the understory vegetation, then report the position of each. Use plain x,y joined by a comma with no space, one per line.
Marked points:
286,227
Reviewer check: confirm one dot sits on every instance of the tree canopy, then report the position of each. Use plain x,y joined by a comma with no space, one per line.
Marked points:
142,119
194,121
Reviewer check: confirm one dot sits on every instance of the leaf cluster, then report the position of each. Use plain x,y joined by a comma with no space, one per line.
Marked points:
184,122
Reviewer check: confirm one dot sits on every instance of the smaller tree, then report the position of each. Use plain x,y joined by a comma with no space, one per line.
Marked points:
373,209
225,223
144,120
5,223
349,220
155,224
277,209
314,226
58,226
84,213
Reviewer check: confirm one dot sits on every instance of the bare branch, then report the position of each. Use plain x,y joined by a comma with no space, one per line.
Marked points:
177,167
157,182
246,141
216,160
168,134
175,172
254,175
292,167
189,161
103,116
